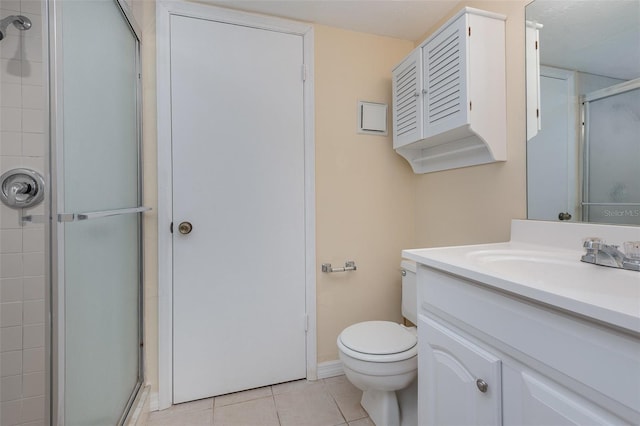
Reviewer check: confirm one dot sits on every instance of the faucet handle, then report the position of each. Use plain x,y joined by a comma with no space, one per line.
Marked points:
592,243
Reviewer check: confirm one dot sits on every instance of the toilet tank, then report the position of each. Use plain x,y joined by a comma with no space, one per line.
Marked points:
409,291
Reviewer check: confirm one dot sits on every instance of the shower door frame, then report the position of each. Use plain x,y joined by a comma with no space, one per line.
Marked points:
617,89
54,226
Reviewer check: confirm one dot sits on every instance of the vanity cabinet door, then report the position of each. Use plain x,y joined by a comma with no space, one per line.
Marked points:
407,108
459,382
531,399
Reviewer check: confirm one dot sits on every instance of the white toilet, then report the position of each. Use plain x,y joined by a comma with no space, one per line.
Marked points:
381,359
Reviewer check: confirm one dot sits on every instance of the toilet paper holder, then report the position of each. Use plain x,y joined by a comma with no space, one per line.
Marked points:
349,265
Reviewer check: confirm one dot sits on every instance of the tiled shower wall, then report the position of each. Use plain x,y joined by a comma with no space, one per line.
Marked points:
22,281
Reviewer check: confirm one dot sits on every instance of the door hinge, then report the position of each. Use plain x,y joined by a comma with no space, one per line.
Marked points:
304,72
171,228
469,31
537,113
536,44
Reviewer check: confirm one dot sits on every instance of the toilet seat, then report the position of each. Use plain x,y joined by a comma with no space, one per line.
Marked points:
378,341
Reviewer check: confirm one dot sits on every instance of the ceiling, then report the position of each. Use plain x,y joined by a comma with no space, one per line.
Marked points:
402,19
596,36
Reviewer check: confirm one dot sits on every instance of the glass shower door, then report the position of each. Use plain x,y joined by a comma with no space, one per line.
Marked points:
97,195
612,155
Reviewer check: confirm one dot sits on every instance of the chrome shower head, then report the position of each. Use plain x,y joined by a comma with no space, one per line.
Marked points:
20,22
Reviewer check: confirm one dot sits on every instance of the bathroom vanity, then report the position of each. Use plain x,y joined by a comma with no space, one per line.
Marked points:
524,333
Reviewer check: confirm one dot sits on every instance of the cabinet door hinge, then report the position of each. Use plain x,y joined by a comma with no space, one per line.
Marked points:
304,72
536,44
537,113
469,31
470,106
171,228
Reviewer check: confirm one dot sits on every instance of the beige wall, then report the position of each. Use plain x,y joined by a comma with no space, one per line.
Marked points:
364,191
369,205
476,204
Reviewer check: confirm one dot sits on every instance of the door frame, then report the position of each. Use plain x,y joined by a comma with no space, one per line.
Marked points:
165,173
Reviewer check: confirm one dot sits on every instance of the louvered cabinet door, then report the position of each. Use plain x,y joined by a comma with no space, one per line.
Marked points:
445,79
407,108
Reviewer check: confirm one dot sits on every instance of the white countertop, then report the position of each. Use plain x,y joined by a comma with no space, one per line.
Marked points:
553,275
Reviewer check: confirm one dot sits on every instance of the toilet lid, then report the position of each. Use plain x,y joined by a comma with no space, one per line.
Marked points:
378,338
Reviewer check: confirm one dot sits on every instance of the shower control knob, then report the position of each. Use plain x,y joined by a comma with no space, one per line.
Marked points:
185,227
482,385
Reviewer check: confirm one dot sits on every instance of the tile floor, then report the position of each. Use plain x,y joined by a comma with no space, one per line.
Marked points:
327,402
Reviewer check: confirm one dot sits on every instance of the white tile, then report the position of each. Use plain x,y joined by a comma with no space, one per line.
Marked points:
10,241
33,311
10,265
10,363
33,264
33,120
36,22
32,52
11,95
347,396
10,119
201,404
10,388
10,143
258,412
32,73
311,407
11,71
33,384
236,397
33,288
362,422
33,240
10,5
10,47
11,412
189,418
33,409
9,218
33,97
33,145
11,290
297,386
10,314
10,339
33,360
31,6
33,336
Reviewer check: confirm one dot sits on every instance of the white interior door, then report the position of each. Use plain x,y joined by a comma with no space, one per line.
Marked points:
552,153
238,178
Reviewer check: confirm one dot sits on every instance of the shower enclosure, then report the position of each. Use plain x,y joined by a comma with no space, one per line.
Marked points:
75,355
611,161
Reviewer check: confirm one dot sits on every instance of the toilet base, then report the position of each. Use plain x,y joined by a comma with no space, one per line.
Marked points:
382,407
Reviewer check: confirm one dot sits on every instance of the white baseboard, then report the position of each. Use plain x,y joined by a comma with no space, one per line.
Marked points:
330,369
154,402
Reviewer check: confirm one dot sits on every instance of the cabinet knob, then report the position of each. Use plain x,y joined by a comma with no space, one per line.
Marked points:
417,94
482,385
564,216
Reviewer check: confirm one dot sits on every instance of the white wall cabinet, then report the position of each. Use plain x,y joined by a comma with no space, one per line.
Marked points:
454,114
541,366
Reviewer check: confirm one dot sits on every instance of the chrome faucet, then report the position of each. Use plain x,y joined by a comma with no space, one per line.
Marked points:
603,254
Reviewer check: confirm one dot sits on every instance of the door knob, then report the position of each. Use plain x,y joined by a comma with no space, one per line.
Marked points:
564,216
185,227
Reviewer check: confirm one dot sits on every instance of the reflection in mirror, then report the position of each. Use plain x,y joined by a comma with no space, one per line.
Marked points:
583,110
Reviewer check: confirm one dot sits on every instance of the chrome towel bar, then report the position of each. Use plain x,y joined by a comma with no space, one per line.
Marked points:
349,265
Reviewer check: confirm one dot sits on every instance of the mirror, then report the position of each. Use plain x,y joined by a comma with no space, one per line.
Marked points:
583,110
